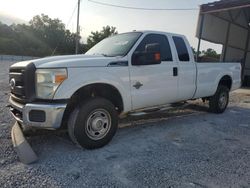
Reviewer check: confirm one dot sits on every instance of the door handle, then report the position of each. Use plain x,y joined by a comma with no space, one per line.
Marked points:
175,71
137,85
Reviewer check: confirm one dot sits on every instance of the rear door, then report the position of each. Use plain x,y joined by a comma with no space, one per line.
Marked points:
153,85
187,68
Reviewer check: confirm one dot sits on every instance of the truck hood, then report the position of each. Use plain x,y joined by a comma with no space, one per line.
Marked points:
71,61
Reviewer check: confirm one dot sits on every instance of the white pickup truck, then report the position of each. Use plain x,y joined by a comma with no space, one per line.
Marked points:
122,74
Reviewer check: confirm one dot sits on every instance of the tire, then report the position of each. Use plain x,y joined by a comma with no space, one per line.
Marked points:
93,123
218,103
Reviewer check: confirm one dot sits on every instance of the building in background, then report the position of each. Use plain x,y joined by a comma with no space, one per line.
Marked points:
227,22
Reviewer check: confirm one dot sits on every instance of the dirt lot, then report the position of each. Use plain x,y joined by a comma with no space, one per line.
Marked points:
182,148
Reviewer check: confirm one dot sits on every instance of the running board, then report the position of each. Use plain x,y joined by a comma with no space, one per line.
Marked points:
146,111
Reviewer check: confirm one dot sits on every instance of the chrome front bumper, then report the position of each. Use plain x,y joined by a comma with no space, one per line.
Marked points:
53,114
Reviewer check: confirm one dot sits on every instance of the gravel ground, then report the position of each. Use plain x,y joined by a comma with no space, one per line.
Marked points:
186,147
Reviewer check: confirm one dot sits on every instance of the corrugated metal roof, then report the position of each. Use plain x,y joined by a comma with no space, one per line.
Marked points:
224,5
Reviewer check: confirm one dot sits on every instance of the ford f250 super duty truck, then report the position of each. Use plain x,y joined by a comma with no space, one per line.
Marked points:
122,74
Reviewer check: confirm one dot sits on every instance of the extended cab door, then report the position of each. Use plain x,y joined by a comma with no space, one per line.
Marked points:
186,69
154,84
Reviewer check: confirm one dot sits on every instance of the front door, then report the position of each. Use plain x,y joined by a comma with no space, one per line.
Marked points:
155,84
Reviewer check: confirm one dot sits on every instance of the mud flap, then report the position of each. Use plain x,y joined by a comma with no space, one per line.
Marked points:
21,146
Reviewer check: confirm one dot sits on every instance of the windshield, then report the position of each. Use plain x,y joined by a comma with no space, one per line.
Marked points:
117,45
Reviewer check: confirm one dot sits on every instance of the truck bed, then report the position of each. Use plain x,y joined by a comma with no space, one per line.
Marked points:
209,75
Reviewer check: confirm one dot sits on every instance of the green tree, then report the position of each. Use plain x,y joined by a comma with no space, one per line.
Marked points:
210,53
97,36
195,52
54,34
30,44
44,36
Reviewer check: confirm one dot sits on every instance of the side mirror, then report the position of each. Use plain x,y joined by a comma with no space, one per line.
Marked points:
150,56
153,48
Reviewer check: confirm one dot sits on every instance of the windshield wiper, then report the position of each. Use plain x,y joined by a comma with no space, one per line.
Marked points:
105,55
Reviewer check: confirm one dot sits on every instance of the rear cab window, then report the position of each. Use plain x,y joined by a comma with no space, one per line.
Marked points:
181,49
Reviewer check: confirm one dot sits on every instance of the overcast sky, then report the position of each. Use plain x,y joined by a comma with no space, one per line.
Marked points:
93,16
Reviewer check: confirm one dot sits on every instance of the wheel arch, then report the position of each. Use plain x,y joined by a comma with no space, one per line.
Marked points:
226,80
99,89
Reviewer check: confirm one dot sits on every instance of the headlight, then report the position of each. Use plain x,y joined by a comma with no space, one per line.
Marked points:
48,80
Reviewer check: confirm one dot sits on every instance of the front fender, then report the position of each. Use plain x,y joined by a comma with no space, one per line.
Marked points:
117,77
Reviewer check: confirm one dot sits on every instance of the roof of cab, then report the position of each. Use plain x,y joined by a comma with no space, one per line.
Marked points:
159,32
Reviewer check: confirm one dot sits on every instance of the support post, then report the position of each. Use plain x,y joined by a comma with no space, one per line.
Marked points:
200,34
77,27
226,43
243,64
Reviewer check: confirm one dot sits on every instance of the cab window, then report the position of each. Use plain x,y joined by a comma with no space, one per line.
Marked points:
181,48
162,40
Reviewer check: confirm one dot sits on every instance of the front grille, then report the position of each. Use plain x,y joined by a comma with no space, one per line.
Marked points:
17,75
22,83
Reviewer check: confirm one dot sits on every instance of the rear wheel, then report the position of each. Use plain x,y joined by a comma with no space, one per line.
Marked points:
218,103
93,124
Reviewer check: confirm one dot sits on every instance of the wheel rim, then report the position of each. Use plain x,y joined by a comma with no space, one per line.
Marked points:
98,124
223,100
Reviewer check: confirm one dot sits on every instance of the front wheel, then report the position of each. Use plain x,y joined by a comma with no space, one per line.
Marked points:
93,124
218,103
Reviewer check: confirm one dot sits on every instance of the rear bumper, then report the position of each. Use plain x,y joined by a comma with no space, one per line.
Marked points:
40,115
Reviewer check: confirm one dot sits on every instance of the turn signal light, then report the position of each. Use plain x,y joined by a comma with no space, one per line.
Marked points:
60,78
157,56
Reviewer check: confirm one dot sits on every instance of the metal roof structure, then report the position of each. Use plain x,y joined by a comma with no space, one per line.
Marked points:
227,22
224,5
